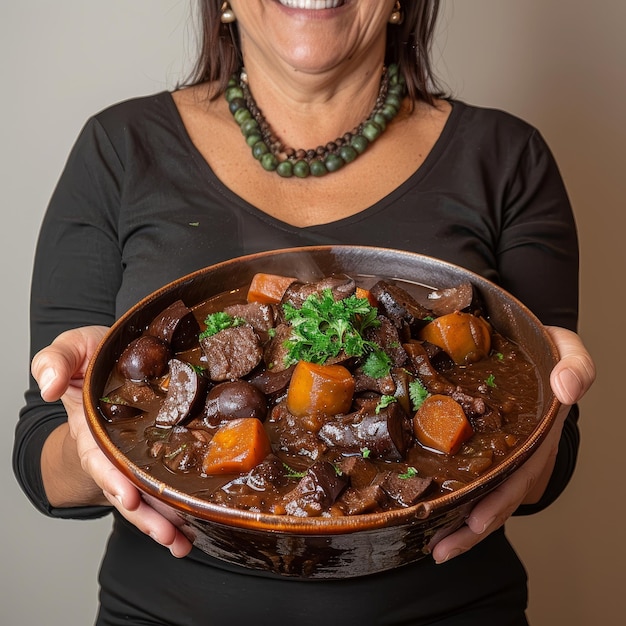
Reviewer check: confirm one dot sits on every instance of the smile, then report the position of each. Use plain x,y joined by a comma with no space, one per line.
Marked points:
311,4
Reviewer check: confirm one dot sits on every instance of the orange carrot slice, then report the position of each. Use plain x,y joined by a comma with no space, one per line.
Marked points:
441,424
268,288
319,389
366,294
237,446
465,337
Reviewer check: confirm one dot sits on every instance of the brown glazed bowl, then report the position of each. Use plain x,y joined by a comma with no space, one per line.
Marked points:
322,547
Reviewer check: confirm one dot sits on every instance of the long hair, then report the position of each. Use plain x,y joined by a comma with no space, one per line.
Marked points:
408,44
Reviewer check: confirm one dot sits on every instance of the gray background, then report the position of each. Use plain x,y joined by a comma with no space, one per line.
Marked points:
560,64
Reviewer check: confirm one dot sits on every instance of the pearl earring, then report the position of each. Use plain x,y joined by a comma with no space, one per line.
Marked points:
396,16
227,14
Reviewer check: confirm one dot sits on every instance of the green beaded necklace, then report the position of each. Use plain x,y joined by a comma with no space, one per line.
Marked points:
287,162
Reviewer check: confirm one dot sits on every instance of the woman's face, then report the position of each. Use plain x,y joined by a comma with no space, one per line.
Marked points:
312,36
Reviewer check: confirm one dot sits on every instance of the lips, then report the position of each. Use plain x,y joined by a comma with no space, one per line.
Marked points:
311,4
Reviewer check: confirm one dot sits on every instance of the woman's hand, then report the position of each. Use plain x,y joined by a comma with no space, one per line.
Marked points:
75,471
570,380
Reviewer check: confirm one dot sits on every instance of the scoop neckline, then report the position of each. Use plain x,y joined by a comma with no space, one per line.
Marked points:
421,172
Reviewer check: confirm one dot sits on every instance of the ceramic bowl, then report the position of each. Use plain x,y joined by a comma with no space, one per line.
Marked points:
322,547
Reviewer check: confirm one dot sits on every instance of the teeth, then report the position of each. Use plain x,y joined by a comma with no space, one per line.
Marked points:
311,4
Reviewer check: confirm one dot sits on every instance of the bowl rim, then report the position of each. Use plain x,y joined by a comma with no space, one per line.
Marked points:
187,504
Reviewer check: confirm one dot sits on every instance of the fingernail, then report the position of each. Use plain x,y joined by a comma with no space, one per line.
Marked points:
46,379
486,525
110,497
449,556
571,385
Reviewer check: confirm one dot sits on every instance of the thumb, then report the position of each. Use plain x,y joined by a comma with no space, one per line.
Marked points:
574,374
65,359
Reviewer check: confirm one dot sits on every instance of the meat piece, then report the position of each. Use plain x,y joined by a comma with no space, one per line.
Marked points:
387,337
176,326
232,353
260,316
290,434
384,385
400,307
267,475
316,492
364,500
437,383
275,352
386,434
341,286
405,489
359,470
185,394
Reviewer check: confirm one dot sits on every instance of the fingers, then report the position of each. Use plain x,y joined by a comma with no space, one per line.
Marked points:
65,359
125,497
146,519
575,372
487,516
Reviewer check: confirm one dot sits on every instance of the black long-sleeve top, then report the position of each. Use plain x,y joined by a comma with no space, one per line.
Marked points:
137,206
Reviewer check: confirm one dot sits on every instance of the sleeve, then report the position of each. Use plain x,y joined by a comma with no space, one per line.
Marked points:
76,276
538,262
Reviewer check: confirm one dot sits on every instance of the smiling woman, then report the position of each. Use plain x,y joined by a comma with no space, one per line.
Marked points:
160,186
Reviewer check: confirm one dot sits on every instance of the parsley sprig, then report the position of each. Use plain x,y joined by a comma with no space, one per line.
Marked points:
215,322
418,393
324,327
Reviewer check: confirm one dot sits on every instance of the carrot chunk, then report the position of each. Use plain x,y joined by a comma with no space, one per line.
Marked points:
465,337
238,446
366,294
268,288
319,390
441,424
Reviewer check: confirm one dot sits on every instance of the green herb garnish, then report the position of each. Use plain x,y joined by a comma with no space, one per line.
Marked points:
491,381
324,327
292,473
377,364
384,402
418,393
215,322
365,452
411,472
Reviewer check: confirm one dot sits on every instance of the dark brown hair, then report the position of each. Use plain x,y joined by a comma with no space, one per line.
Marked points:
408,44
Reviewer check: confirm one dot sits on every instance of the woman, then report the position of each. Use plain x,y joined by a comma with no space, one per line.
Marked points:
158,187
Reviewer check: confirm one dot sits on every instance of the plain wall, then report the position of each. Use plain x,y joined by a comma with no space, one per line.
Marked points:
560,64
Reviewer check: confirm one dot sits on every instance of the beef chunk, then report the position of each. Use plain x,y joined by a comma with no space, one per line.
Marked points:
386,336
232,353
341,287
275,351
404,489
267,475
316,491
359,470
364,500
260,316
289,433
